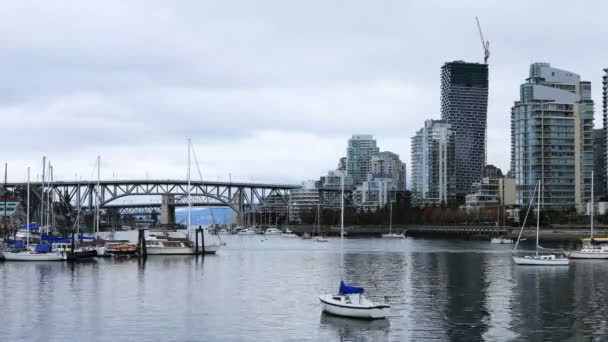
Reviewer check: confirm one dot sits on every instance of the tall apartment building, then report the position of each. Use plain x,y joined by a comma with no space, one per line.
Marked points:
433,158
388,165
604,168
552,138
303,200
599,163
464,105
361,148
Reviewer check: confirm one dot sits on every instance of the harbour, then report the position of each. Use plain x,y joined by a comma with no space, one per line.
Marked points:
438,290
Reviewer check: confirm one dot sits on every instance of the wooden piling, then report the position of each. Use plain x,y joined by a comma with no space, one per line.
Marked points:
196,242
200,229
142,243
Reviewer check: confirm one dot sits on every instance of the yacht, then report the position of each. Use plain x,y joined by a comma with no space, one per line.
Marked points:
501,240
273,231
117,248
159,246
288,233
247,231
593,248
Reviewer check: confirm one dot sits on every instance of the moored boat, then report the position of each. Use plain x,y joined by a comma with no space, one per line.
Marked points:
350,302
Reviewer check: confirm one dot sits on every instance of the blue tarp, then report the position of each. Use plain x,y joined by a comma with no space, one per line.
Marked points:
55,239
82,237
33,226
346,289
45,248
15,243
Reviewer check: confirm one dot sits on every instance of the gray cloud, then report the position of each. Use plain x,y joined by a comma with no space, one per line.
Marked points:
268,90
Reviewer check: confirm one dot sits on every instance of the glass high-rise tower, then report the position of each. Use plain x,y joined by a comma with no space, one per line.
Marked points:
552,138
464,105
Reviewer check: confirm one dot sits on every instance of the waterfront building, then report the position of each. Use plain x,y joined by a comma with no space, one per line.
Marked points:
329,188
303,200
485,194
599,163
506,191
464,105
342,164
552,138
12,213
361,148
374,193
433,171
388,165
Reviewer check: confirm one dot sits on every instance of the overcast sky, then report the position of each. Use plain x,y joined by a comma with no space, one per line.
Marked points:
267,90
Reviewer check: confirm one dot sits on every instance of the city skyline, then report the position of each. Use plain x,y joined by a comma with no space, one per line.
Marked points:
135,102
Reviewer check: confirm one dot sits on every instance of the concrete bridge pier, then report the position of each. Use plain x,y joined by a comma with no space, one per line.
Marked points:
167,210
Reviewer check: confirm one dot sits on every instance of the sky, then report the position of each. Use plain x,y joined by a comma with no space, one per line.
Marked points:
268,91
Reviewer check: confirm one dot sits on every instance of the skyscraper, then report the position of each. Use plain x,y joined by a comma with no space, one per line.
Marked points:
604,168
387,164
433,157
464,105
361,148
552,138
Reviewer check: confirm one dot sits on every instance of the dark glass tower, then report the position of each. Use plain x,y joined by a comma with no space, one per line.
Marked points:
464,105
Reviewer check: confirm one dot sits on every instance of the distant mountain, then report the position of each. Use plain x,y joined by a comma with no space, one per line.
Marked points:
202,216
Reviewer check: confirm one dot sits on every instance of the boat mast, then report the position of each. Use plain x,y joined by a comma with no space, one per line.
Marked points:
592,206
538,215
189,202
5,223
390,219
98,196
27,209
41,223
342,226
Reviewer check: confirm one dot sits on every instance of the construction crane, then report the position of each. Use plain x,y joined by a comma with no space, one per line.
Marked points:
484,43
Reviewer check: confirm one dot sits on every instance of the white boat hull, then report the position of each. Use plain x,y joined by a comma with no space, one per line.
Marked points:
541,262
588,255
353,311
170,250
393,236
501,241
34,256
211,249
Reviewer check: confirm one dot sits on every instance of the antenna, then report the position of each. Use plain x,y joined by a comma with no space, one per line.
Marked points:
484,44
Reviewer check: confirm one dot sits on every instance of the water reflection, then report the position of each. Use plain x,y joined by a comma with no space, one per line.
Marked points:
254,291
356,329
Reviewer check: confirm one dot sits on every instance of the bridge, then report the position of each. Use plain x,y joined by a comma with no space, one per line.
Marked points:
240,196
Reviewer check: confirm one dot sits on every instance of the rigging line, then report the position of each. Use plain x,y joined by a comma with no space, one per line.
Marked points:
206,197
526,218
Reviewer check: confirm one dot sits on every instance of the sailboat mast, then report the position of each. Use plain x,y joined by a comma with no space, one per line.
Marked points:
540,185
27,209
5,197
390,219
342,226
592,205
41,223
97,219
189,202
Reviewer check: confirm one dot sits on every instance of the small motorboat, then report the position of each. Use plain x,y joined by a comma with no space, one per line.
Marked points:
306,236
321,239
273,231
350,302
501,240
393,236
247,231
288,233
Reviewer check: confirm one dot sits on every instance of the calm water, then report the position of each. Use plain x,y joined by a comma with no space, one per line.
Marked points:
256,290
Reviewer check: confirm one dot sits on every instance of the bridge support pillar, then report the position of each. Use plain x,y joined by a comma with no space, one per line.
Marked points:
167,210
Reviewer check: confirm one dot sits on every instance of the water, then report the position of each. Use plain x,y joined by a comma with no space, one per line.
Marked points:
256,290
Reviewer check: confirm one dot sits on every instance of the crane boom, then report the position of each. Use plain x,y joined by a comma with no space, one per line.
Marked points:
484,44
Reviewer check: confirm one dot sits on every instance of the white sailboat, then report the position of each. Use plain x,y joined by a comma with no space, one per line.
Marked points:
390,234
350,301
319,237
541,257
593,248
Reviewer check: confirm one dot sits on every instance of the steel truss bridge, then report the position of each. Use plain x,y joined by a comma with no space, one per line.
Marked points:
237,195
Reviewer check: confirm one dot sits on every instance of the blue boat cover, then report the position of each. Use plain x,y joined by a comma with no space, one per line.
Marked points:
82,237
346,289
55,239
43,248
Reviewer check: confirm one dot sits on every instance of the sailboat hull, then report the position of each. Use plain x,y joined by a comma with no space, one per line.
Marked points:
582,254
536,261
10,256
353,311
